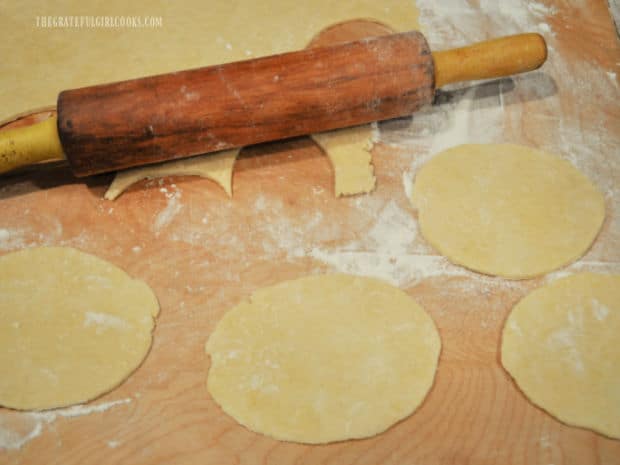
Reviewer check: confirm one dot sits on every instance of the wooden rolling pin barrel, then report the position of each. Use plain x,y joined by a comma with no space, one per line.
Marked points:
131,123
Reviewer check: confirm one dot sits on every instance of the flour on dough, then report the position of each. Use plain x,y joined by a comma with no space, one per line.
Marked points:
560,344
72,327
507,210
217,166
227,31
323,358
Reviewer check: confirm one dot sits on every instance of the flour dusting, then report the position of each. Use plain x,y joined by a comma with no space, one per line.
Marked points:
390,251
104,321
172,209
403,270
563,340
582,265
394,231
14,239
20,428
11,439
600,310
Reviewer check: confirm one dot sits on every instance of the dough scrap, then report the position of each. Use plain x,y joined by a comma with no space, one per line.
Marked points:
349,152
228,31
347,149
72,327
560,344
507,210
217,167
323,358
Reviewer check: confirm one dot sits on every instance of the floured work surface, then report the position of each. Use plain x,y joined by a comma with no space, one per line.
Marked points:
202,253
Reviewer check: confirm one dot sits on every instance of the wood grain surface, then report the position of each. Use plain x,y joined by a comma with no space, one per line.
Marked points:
202,252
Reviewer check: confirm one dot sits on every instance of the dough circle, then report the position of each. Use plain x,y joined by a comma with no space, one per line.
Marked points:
323,358
507,210
560,346
72,327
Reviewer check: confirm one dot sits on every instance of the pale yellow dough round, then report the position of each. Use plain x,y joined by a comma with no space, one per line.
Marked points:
507,210
323,358
72,327
560,344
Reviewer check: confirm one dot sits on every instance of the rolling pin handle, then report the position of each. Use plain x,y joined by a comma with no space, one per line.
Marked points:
491,59
28,145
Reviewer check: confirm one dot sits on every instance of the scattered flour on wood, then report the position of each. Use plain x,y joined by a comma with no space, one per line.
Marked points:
20,428
581,266
172,209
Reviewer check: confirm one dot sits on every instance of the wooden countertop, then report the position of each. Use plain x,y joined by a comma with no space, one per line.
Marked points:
202,252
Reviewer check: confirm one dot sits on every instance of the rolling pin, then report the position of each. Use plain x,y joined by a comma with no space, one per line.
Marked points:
153,119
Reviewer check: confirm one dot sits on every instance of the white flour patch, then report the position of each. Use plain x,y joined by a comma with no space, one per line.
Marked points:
402,271
22,238
545,442
20,428
286,234
172,209
451,23
580,266
11,239
387,251
541,9
408,184
600,310
4,235
544,27
79,410
260,204
11,439
394,231
104,320
563,341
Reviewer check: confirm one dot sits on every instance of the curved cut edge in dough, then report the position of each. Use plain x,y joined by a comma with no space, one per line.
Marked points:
349,153
347,149
217,166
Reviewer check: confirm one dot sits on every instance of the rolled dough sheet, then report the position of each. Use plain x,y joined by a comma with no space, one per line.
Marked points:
560,344
72,327
192,34
507,210
323,358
